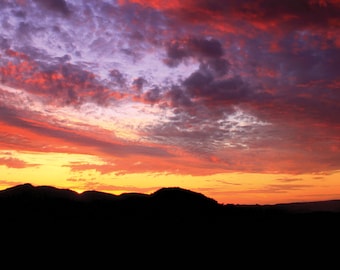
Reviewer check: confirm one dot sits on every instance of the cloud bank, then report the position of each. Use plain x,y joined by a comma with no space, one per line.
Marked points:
196,87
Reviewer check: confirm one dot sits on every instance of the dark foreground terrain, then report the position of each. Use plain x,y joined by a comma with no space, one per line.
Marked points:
172,224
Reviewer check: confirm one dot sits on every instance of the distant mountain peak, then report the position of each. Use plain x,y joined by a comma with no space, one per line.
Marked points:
25,186
42,191
180,194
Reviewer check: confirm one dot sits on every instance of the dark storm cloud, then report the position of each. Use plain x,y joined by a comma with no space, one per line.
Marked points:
54,5
152,95
178,50
139,83
296,82
4,43
207,86
25,30
206,47
117,77
217,67
215,92
19,13
175,54
289,14
177,97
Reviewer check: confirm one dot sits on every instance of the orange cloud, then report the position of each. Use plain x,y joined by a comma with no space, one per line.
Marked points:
15,163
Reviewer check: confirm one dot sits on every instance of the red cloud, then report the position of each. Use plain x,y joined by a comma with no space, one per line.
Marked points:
66,84
261,14
15,163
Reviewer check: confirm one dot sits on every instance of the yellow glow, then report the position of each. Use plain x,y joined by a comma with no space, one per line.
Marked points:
237,188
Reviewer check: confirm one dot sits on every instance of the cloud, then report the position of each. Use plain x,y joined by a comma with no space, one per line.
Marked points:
65,84
304,13
178,49
61,135
16,163
243,85
54,5
101,168
202,86
200,48
289,179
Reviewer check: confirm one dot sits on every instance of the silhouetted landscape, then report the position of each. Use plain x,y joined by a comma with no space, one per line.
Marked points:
46,203
169,217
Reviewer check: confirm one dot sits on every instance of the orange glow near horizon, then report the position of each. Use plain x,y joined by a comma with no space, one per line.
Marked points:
233,187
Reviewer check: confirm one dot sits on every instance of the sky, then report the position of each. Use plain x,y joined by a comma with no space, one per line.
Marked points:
235,99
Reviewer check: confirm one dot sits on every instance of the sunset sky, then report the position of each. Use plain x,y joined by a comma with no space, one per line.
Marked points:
235,99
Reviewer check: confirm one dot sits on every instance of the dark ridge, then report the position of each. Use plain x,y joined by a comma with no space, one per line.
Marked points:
51,202
170,224
29,192
173,197
17,190
332,206
33,203
182,202
91,195
179,195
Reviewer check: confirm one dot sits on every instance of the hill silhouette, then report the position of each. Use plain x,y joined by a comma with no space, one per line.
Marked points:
173,224
44,202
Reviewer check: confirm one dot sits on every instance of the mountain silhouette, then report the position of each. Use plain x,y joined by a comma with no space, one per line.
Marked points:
48,201
171,224
41,202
